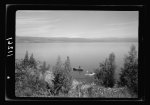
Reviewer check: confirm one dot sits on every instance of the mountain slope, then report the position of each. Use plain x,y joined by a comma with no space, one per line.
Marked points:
65,39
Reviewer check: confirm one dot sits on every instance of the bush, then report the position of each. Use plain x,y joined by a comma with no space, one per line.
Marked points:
28,80
129,73
104,75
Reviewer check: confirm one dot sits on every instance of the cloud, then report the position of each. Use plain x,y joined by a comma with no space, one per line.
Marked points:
35,21
35,26
75,24
121,24
38,31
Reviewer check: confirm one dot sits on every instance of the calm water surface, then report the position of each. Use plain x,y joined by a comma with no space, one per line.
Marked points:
86,55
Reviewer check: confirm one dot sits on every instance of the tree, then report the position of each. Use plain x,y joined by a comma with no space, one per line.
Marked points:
32,62
112,67
25,61
58,65
44,68
62,76
67,65
104,75
58,76
27,81
129,73
68,77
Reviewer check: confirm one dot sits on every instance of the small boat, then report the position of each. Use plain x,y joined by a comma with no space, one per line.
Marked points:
79,69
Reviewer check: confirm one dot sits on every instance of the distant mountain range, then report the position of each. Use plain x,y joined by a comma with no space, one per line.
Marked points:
65,39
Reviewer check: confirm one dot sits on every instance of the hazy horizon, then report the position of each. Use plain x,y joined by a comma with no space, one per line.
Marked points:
77,24
76,37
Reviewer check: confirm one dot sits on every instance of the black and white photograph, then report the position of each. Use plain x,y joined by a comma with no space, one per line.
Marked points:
76,53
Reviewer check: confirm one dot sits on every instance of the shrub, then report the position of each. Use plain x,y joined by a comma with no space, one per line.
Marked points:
129,73
27,80
104,75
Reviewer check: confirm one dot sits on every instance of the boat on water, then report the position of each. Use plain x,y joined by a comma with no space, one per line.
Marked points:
78,69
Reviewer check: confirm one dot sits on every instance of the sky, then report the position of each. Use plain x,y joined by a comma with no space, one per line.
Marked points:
77,24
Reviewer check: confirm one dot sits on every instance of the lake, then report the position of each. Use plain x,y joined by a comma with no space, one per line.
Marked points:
86,55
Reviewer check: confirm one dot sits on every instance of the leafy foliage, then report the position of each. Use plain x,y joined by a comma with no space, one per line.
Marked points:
29,62
25,61
129,73
104,75
44,68
27,77
62,77
32,62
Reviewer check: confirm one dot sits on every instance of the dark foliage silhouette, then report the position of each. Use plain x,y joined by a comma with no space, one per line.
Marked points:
129,73
104,75
62,77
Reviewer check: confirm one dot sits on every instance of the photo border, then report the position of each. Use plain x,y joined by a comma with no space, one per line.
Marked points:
10,42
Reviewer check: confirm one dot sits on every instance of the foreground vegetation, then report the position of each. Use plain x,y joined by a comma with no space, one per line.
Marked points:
37,79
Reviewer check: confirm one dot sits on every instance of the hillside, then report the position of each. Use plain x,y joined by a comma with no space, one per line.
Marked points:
65,39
